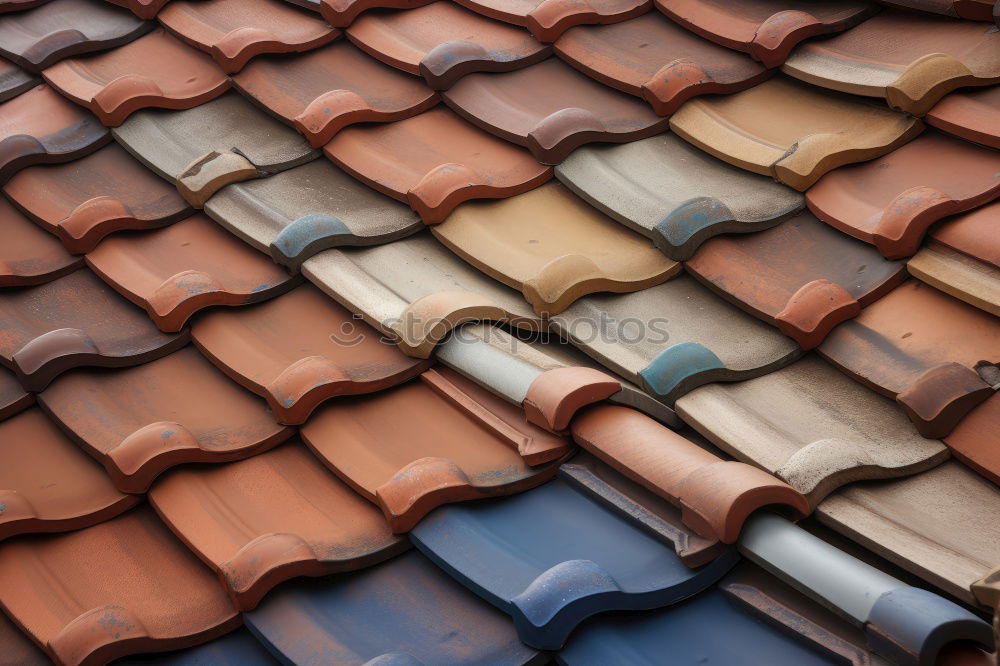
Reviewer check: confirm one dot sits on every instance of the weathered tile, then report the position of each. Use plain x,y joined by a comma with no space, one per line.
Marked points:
551,109
552,557
210,146
139,422
923,348
145,9
675,194
766,29
28,255
553,247
13,398
435,161
801,276
155,70
126,586
405,611
41,127
58,29
297,213
16,649
910,59
892,201
47,484
270,518
674,337
974,10
548,19
962,258
83,201
812,427
792,131
14,80
327,89
299,350
340,13
970,114
174,272
234,31
654,58
73,322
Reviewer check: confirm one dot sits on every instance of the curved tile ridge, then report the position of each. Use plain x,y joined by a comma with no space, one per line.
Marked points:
905,624
675,194
715,496
28,255
812,427
341,13
13,398
937,56
792,131
144,9
548,19
971,115
14,80
415,291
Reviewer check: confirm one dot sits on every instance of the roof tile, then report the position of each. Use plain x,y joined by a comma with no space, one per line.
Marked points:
18,650
19,5
14,80
970,114
973,441
237,648
145,9
28,255
975,10
548,19
13,398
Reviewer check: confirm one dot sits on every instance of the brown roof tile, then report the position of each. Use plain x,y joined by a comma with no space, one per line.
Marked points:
13,398
975,10
28,255
14,80
145,9
72,322
551,109
656,59
325,90
270,518
47,484
973,441
548,19
299,350
435,161
340,13
234,31
139,422
970,114
127,586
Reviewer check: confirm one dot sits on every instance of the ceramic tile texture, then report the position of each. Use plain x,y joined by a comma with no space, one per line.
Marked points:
970,114
138,422
973,441
792,131
28,255
13,398
551,109
548,19
18,650
14,80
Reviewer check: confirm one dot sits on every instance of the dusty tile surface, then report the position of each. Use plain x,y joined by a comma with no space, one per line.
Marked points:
28,255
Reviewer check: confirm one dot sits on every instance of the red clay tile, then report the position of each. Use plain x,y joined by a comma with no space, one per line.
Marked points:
144,9
892,201
974,440
548,19
919,346
123,587
28,255
974,10
443,42
974,234
47,484
801,276
435,161
139,422
766,29
155,70
551,109
16,649
325,90
299,350
41,127
970,114
13,398
270,518
655,59
72,322
85,200
14,80
414,448
341,13
234,31
186,267
715,496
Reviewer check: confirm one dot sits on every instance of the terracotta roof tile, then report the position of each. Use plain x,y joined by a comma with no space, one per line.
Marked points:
892,201
127,586
919,346
548,19
139,422
674,193
910,59
970,114
72,322
28,255
299,350
308,209
155,70
41,127
145,9
270,518
801,276
551,109
17,648
792,131
766,29
655,59
47,484
975,10
409,160
13,398
234,31
443,42
14,80
973,441
83,201
341,13
325,90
